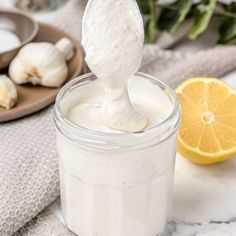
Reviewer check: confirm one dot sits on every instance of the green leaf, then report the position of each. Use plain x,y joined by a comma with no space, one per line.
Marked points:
202,18
144,6
173,15
151,26
230,7
150,31
231,41
227,31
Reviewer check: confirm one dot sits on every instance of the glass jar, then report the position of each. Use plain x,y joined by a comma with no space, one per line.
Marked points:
115,184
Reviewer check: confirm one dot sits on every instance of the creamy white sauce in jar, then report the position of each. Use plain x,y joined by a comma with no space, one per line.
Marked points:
115,183
116,132
143,97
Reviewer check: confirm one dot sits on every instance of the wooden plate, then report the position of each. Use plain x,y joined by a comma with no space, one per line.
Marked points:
33,98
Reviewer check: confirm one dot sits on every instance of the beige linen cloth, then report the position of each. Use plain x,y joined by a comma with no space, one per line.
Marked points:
28,161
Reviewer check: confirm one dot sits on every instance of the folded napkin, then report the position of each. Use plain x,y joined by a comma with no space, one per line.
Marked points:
28,161
28,170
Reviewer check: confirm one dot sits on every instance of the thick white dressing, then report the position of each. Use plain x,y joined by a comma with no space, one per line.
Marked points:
112,36
115,184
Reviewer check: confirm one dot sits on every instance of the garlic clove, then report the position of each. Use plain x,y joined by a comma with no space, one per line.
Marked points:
66,47
41,64
60,73
24,67
8,92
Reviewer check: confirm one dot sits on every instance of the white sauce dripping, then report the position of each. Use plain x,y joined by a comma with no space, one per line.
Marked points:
113,37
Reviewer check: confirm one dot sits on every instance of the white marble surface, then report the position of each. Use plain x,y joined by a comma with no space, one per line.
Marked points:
205,196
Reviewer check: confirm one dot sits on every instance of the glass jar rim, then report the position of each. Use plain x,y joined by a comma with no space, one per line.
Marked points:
60,116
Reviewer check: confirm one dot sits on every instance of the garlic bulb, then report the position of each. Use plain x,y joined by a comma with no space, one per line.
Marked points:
8,92
42,63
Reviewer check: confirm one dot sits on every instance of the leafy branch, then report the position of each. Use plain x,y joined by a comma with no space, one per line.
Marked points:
171,17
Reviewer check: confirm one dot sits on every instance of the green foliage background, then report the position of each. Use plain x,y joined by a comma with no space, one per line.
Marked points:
173,15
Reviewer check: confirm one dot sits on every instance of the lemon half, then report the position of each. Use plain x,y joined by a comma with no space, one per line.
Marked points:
208,131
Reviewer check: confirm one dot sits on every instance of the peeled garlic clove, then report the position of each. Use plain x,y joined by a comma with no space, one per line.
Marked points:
8,92
42,63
